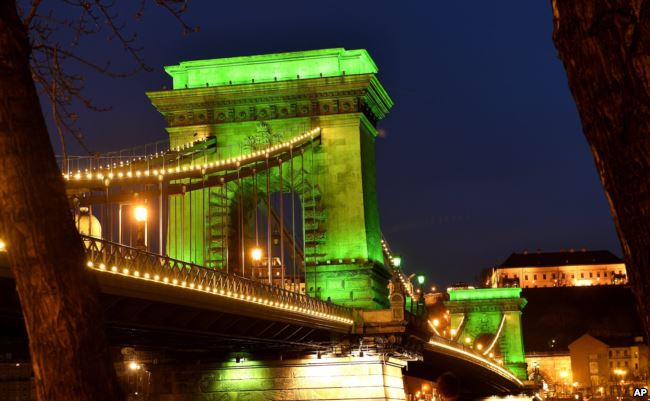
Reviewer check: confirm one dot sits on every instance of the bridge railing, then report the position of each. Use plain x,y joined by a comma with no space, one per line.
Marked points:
142,264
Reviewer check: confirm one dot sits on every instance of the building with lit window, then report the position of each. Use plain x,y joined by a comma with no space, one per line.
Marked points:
554,324
609,365
558,269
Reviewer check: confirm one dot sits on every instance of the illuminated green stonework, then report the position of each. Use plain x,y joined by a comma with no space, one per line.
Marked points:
477,315
231,100
484,293
343,379
271,68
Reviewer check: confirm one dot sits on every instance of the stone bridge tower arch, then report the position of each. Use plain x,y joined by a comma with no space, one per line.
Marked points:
489,321
334,89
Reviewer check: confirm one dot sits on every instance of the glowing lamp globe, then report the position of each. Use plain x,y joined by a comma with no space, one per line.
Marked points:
256,254
140,213
421,279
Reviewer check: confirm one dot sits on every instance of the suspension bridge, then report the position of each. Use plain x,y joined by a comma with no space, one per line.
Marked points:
255,228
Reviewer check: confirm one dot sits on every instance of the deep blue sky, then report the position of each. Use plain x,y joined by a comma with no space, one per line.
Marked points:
483,153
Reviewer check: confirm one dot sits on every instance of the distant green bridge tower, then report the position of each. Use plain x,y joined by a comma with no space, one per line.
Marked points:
242,102
489,320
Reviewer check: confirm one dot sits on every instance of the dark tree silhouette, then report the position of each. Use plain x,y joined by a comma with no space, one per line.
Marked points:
58,296
605,48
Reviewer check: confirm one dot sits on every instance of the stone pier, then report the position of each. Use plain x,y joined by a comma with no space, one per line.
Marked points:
368,378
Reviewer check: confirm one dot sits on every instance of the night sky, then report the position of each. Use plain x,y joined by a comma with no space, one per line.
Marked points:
482,154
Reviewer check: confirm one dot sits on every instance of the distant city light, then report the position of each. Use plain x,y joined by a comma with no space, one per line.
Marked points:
3,246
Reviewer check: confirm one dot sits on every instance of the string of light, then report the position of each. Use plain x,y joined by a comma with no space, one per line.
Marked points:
215,291
500,369
126,172
391,260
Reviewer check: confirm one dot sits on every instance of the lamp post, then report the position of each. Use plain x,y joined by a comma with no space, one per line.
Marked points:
421,279
256,255
140,214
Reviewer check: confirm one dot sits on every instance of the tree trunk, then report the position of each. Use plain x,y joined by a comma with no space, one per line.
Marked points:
70,356
605,48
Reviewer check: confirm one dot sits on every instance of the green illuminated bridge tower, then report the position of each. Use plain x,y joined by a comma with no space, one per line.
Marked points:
242,104
489,321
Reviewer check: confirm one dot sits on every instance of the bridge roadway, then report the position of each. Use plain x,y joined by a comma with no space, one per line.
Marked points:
163,304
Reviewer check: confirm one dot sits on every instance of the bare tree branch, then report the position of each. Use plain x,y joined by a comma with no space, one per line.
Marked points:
55,35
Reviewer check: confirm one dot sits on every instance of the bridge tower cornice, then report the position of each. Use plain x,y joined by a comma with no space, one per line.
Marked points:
314,97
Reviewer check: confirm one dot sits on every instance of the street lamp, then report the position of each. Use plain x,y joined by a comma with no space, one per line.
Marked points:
256,254
396,261
140,213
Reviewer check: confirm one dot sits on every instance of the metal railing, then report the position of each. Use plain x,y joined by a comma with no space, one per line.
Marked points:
150,266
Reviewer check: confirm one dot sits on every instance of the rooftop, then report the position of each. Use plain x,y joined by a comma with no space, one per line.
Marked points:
271,67
570,258
619,341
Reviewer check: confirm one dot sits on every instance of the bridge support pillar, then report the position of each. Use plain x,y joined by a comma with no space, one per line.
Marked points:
345,378
250,102
489,320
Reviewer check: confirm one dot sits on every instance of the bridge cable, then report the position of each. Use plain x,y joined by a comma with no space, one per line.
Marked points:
160,219
183,224
257,237
313,200
203,225
293,225
192,253
241,223
303,210
225,225
268,218
281,223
